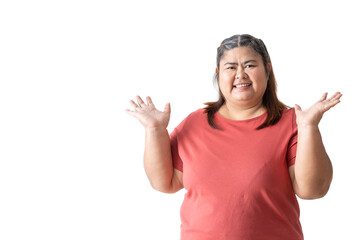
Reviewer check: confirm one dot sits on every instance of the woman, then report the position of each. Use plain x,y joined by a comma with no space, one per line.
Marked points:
243,158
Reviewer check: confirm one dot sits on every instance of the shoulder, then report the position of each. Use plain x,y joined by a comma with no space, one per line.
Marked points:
194,117
288,112
291,116
288,115
288,119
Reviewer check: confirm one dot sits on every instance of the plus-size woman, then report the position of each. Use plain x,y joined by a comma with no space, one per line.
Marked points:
242,158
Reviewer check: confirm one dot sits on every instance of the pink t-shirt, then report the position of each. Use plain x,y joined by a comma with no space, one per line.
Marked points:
237,179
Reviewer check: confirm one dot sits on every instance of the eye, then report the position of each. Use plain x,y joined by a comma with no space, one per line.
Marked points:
249,66
231,68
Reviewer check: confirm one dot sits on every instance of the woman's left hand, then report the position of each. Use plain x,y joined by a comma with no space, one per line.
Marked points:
313,115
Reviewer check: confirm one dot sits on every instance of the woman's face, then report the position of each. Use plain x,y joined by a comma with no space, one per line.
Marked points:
242,77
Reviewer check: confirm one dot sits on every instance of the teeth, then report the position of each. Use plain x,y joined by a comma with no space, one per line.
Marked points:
243,85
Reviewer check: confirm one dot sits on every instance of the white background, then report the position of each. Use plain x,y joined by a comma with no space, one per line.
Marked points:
72,158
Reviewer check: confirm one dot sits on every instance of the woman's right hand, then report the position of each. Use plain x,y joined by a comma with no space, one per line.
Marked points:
148,115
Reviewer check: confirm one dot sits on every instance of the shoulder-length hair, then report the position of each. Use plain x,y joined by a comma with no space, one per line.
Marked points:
270,100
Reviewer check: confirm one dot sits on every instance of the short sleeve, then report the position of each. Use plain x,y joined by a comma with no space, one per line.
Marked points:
291,151
177,162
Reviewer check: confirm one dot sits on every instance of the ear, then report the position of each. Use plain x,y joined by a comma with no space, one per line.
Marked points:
217,70
269,67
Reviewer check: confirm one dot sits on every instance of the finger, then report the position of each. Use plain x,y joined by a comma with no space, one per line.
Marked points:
338,95
167,108
297,108
335,95
331,104
336,99
133,104
132,113
149,101
323,97
140,101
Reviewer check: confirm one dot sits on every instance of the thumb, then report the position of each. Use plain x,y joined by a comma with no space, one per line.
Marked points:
297,108
167,108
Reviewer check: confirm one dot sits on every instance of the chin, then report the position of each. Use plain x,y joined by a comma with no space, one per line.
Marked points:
243,97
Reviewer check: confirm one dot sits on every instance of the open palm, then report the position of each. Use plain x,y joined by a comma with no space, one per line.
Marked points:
148,115
313,115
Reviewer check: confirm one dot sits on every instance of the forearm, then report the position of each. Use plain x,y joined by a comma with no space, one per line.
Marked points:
157,158
313,168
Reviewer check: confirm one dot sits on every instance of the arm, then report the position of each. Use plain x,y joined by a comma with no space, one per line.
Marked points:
313,168
157,159
157,155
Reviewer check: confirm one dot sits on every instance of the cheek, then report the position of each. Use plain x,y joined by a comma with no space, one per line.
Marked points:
261,86
225,80
261,81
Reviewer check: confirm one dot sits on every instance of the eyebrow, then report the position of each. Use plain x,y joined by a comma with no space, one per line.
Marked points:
234,63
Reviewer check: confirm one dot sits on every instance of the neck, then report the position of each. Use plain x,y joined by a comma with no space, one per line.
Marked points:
236,112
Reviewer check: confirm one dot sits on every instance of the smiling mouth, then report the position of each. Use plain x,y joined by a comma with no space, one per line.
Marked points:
242,85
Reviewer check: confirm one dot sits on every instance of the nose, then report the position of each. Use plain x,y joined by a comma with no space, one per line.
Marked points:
241,74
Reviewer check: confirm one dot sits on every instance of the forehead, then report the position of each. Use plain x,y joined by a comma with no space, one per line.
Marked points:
240,53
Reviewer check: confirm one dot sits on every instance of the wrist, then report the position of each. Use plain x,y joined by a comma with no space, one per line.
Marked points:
153,130
308,127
